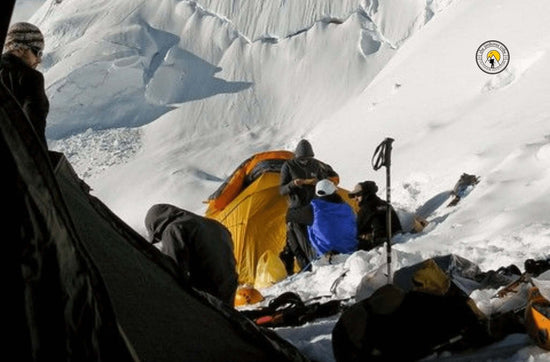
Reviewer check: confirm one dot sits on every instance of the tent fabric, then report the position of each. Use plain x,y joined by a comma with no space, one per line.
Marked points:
254,211
257,165
85,287
59,307
187,326
256,220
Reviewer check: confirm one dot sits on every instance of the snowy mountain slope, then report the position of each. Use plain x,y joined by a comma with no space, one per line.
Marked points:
127,51
345,86
396,20
449,117
128,64
24,9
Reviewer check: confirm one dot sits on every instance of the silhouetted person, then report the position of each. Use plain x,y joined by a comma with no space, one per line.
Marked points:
22,54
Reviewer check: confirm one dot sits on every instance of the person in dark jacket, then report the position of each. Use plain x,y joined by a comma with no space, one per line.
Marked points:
371,218
298,178
202,248
334,227
22,54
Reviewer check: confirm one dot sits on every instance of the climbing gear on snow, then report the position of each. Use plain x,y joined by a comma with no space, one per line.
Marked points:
288,309
462,185
533,268
247,295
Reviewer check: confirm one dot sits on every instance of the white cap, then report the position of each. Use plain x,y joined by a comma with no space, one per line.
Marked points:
325,187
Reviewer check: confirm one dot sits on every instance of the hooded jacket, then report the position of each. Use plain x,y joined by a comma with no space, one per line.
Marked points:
333,227
27,87
302,166
202,247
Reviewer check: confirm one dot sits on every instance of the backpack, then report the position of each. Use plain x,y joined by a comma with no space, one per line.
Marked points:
394,325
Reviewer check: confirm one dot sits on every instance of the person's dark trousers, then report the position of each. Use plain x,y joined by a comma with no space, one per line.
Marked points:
287,257
297,246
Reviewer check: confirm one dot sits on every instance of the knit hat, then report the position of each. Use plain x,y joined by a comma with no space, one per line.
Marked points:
324,187
24,35
304,149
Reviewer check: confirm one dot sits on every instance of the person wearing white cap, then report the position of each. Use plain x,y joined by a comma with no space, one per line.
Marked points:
334,227
22,53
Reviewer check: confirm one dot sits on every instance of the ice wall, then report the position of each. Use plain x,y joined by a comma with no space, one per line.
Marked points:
125,63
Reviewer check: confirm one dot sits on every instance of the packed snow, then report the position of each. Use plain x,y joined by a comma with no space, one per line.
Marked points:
160,101
24,9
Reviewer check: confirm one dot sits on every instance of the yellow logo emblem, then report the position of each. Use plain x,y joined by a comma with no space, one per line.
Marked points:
492,57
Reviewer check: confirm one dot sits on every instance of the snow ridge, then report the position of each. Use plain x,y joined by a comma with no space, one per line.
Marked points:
121,50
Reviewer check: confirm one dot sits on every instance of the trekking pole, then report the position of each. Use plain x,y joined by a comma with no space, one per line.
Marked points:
383,158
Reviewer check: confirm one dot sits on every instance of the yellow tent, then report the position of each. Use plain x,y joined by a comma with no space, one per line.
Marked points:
250,206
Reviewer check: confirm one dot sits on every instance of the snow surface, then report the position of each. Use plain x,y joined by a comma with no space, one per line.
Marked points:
160,101
24,9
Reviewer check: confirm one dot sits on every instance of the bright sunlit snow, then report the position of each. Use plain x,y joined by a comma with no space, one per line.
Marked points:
159,101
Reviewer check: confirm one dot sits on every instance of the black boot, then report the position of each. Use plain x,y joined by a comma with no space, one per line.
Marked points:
287,257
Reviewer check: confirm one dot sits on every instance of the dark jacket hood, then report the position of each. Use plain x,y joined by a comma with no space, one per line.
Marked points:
370,199
158,217
303,149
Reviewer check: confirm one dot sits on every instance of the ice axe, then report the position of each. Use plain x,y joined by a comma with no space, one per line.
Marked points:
382,157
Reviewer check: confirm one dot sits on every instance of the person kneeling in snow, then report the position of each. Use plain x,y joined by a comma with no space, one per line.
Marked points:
371,218
333,228
201,247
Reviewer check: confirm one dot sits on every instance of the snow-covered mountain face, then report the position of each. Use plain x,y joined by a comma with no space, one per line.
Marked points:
173,95
125,64
244,75
159,101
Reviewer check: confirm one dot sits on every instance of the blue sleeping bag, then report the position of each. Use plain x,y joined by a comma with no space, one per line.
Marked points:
334,227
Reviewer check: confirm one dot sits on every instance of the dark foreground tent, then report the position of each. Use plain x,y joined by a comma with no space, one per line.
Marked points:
83,286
